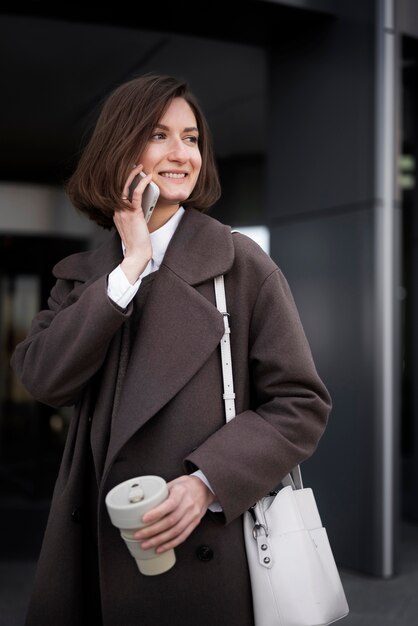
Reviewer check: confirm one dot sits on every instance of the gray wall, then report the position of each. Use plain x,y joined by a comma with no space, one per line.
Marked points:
320,198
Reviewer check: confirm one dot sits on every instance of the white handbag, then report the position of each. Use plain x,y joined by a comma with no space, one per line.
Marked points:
294,578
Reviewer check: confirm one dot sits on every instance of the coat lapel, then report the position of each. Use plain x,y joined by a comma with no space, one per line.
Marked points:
179,327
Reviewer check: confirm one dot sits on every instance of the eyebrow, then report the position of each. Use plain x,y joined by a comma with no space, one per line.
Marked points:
188,129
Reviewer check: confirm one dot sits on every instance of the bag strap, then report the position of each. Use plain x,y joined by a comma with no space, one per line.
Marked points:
228,395
294,478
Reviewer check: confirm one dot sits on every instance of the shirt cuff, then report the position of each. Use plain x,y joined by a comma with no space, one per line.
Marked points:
119,289
215,507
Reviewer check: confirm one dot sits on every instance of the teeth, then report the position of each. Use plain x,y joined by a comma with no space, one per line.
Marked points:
172,175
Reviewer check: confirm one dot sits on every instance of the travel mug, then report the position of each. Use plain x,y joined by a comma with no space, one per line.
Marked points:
126,504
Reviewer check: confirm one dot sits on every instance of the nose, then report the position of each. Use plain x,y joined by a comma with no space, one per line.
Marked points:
178,151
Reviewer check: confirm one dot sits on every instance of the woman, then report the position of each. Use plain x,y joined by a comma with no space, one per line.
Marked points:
131,339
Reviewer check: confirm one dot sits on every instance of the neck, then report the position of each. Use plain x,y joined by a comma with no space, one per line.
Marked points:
160,216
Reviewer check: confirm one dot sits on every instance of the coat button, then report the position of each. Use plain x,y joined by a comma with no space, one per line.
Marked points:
204,553
77,515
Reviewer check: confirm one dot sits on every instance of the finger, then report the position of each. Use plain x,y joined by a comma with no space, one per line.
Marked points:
165,508
167,522
170,525
167,514
179,501
169,534
137,188
173,543
135,173
133,186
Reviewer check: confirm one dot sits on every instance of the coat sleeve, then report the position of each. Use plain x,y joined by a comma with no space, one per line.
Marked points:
67,342
248,457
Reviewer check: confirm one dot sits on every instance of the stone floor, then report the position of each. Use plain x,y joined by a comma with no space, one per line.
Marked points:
372,601
386,602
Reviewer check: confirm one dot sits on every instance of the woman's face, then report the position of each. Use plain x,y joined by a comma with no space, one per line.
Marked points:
172,154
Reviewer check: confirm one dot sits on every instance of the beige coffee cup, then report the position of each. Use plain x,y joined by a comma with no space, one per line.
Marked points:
126,504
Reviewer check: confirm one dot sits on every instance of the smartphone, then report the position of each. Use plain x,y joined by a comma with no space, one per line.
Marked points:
149,197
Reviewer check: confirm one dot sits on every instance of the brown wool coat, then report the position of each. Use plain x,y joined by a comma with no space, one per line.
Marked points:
170,419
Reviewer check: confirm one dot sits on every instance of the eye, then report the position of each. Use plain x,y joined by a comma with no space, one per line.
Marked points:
192,139
158,136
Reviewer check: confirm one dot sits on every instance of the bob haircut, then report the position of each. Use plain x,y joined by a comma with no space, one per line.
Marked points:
123,129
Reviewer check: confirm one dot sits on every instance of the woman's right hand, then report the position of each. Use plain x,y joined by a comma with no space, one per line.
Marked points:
133,229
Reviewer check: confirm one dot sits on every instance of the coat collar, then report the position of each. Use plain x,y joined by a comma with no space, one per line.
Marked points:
201,248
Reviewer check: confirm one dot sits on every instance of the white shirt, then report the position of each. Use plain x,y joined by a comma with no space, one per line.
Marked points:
120,290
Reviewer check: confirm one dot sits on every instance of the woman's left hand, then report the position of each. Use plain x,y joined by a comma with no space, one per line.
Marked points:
171,522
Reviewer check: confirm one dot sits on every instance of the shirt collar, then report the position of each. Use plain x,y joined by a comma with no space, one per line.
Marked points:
161,237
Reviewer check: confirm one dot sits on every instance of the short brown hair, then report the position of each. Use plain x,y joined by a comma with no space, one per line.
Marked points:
125,124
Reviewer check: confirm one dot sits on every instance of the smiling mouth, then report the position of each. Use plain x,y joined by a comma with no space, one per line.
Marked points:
173,175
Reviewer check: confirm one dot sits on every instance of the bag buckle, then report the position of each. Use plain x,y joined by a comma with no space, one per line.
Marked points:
257,527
